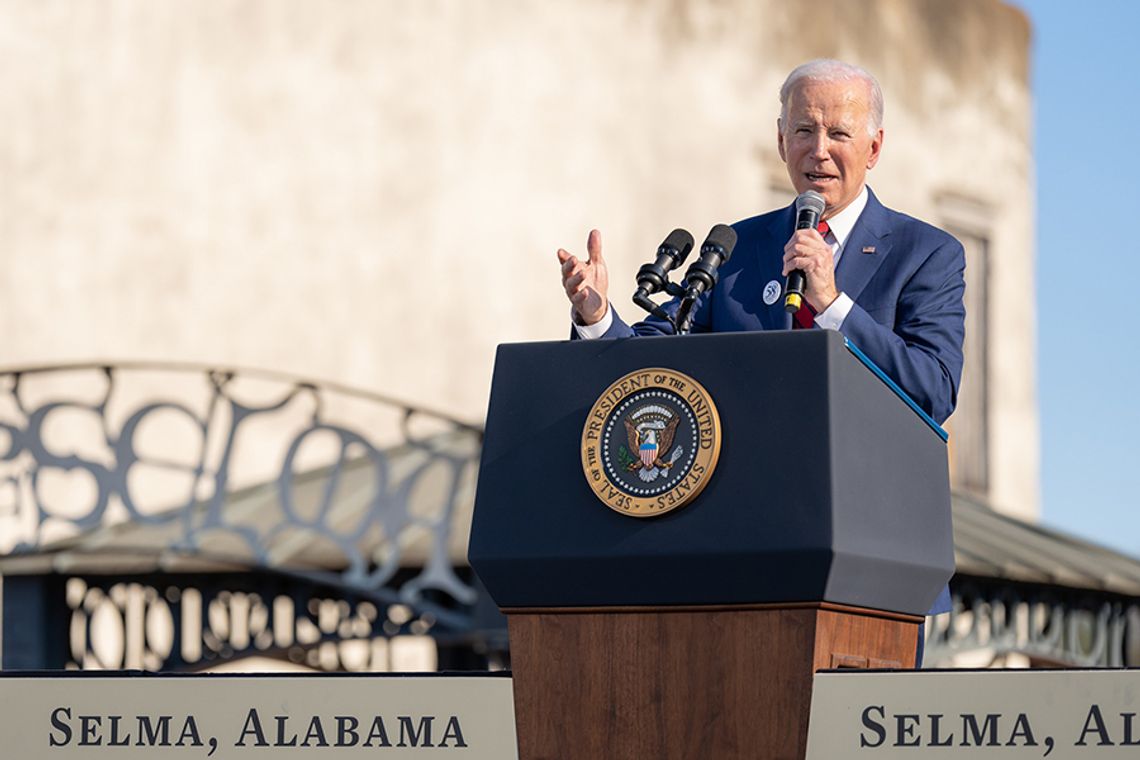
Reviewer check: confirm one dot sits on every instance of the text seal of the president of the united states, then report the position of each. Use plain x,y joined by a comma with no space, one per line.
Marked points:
651,442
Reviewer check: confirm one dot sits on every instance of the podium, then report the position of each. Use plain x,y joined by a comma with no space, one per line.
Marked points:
819,540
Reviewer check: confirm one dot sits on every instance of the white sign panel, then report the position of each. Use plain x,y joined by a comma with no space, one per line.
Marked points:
230,717
1006,715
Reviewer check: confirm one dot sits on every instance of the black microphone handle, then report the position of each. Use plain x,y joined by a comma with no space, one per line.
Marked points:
794,294
806,219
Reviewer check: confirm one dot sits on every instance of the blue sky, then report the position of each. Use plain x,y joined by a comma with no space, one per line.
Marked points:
1086,83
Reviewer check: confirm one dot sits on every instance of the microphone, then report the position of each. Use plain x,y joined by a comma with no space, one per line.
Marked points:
702,273
809,208
653,278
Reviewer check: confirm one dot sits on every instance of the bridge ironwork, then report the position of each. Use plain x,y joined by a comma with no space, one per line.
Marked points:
194,476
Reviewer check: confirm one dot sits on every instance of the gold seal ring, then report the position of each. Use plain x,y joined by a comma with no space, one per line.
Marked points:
651,442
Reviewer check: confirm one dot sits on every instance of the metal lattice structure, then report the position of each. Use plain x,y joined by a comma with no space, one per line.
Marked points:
160,469
1048,625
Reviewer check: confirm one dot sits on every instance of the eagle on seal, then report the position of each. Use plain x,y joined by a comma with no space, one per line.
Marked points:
652,445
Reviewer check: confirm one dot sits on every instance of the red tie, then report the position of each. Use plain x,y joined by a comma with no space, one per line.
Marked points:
804,318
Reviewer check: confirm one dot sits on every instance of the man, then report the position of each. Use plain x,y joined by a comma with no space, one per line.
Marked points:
891,284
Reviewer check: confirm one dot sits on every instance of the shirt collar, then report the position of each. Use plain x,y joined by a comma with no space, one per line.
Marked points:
842,223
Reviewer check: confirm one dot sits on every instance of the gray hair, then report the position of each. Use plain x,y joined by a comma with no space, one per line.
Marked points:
830,70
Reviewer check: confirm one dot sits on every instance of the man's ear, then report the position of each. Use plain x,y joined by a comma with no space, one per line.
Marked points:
876,149
780,141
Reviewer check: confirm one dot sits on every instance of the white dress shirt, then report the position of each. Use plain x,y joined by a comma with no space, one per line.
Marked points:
841,225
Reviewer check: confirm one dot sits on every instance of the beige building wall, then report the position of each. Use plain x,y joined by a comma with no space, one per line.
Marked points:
372,191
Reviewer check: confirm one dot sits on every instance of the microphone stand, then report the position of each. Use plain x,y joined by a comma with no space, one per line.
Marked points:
686,310
641,298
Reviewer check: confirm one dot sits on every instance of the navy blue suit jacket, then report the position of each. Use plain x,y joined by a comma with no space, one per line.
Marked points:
905,277
907,287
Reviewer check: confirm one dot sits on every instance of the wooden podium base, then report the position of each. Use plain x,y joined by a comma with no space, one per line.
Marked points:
688,682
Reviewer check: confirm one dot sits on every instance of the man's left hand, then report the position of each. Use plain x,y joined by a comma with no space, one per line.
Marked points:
807,251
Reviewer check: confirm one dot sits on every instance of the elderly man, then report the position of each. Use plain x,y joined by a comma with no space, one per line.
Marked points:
890,283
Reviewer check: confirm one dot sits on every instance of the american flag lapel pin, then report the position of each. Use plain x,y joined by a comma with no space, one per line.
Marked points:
868,249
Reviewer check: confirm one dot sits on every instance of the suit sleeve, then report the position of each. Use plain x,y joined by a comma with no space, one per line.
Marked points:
652,325
923,351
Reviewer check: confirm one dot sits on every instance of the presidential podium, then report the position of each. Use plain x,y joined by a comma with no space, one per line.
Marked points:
819,537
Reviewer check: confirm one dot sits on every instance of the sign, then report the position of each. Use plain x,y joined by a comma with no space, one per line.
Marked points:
230,717
990,714
650,442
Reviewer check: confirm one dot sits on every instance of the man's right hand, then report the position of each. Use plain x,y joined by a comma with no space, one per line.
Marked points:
586,282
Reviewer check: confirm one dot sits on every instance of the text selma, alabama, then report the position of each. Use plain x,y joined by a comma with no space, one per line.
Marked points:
895,730
256,730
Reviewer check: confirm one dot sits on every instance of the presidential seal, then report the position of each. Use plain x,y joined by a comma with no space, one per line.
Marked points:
651,442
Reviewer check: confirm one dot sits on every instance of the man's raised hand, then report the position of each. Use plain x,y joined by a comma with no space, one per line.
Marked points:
586,282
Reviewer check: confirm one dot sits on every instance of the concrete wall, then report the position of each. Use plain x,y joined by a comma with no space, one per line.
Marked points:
372,191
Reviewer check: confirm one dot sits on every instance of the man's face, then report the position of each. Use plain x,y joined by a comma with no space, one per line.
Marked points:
824,140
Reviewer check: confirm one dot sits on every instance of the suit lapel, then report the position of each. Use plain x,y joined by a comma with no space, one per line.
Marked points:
778,233
866,248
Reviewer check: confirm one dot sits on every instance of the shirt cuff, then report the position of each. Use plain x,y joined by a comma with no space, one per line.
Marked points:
832,317
596,330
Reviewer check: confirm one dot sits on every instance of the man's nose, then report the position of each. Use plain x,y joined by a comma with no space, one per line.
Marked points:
821,146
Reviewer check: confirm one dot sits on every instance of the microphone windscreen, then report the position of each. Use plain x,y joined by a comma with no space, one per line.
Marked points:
723,236
810,199
681,240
